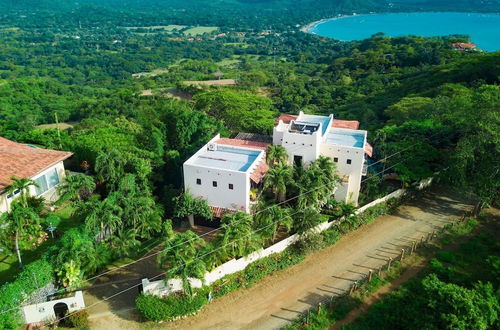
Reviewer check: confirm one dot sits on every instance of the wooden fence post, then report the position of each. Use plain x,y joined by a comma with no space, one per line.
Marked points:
389,264
380,271
413,247
370,274
402,254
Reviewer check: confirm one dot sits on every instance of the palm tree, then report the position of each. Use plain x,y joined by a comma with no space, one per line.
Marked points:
269,218
277,179
123,242
276,155
306,219
75,186
20,221
104,216
23,186
183,261
238,237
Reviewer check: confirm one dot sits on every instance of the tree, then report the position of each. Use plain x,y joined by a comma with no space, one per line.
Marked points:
180,259
20,223
186,205
276,155
238,238
277,179
21,185
306,219
139,209
110,167
124,242
269,218
240,111
316,183
104,217
76,187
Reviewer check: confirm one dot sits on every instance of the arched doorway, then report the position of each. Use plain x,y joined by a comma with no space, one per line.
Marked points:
60,310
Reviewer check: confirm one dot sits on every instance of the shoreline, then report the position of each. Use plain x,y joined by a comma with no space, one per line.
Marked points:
308,27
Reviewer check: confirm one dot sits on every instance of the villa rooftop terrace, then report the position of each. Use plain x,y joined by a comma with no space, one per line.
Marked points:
227,158
346,138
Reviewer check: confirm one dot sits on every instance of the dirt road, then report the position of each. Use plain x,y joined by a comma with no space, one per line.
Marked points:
277,299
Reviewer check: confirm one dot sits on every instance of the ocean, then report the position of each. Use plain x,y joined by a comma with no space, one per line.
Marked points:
483,28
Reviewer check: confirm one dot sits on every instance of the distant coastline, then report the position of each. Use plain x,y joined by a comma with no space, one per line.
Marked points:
307,28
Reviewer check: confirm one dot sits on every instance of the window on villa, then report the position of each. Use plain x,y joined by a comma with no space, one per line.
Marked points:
336,159
198,181
349,162
214,183
231,187
15,193
47,181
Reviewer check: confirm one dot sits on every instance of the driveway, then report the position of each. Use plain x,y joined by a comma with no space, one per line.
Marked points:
277,299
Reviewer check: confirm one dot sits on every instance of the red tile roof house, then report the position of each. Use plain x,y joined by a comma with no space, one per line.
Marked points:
45,167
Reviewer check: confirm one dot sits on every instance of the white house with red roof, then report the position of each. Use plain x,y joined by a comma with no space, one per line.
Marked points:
43,166
223,172
307,137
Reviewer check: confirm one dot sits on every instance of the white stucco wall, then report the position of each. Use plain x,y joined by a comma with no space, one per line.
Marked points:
160,288
45,311
50,195
237,198
221,196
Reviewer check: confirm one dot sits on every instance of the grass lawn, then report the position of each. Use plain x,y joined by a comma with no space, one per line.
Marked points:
194,31
9,267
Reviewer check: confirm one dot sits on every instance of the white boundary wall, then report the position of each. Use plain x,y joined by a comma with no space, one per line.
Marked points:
45,311
160,288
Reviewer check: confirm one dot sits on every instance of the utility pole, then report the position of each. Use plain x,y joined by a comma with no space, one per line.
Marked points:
58,130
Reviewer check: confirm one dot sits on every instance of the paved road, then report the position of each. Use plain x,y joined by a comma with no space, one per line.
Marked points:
279,298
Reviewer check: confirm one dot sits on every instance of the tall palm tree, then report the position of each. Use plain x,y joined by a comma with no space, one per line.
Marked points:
20,221
238,237
75,186
180,259
276,155
277,179
23,186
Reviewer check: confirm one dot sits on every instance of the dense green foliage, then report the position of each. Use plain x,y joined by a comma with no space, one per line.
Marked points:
459,291
34,276
168,309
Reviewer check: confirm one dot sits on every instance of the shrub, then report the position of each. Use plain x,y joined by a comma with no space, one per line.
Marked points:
78,319
35,275
167,309
309,242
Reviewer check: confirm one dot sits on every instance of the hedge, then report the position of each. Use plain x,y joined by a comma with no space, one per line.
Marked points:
168,309
34,276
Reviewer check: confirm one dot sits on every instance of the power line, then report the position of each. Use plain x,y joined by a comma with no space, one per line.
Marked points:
184,264
217,229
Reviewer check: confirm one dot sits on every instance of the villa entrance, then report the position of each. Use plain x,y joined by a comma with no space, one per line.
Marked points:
60,310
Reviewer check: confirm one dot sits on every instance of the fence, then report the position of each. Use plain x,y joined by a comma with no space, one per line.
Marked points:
409,250
162,288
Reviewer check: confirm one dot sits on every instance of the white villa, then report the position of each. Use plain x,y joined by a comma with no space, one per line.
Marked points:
224,170
307,137
43,166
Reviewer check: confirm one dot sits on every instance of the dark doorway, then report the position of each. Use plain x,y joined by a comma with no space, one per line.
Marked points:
60,309
297,160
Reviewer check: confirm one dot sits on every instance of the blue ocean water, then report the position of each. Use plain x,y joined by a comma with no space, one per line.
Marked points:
483,28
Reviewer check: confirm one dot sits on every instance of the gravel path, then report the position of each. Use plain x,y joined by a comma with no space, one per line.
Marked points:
277,299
